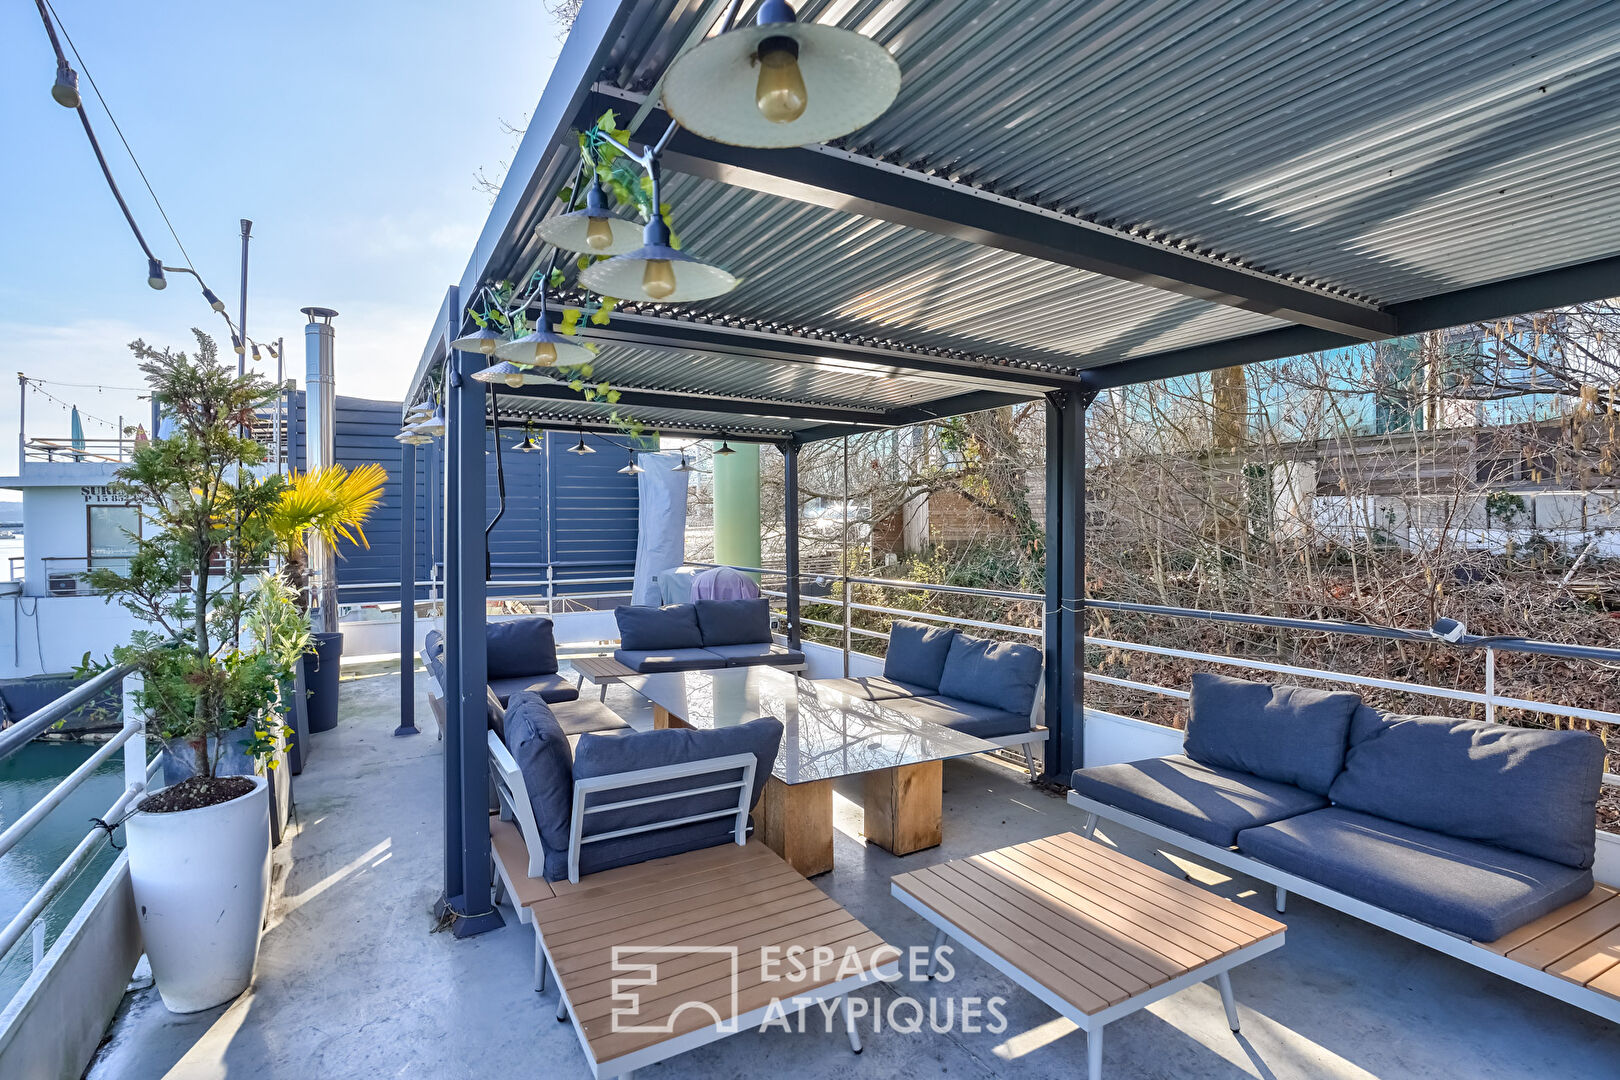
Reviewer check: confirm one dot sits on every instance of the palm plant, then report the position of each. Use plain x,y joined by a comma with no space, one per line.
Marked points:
327,504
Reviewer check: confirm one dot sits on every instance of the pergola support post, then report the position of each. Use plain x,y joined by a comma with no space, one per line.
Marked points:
1065,582
407,591
790,542
466,712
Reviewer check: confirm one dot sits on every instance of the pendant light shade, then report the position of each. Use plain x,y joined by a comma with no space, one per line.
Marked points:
593,230
632,469
484,341
154,275
545,348
781,82
656,272
580,447
725,447
511,374
413,438
684,466
528,445
434,424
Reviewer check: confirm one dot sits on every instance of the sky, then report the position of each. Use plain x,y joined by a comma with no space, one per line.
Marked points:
349,133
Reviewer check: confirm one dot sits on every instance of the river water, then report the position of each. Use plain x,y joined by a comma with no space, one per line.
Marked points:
25,778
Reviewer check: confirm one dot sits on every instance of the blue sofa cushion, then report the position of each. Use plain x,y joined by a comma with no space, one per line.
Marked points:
968,717
916,654
1478,890
658,629
433,657
525,646
585,717
734,622
598,755
1285,733
764,652
874,687
1000,674
1519,788
552,688
1204,801
540,748
649,661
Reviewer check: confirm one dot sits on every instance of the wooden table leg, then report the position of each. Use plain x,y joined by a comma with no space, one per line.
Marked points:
798,824
662,719
903,807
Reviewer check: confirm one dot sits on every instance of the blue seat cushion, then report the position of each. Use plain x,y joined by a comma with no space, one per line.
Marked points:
587,717
875,687
1000,674
540,748
599,755
1206,802
734,622
648,661
1286,733
916,654
763,652
968,717
1528,790
552,688
1477,890
658,629
526,646
433,657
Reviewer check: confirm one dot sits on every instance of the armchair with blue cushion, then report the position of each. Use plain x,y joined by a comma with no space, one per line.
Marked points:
700,636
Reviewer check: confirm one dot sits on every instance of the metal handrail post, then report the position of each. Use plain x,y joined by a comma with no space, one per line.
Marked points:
135,724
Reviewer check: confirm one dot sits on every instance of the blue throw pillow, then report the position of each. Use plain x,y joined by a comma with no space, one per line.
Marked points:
734,622
1286,733
1000,674
517,647
601,755
916,653
540,749
658,629
1518,788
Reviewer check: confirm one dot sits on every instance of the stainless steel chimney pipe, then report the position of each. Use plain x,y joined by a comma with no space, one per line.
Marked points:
319,452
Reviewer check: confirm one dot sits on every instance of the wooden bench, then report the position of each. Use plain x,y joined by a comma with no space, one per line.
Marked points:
657,958
1092,933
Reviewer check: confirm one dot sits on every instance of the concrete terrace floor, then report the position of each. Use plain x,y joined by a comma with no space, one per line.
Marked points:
352,983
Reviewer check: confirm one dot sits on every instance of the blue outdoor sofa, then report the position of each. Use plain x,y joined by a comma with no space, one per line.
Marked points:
1453,833
979,687
699,636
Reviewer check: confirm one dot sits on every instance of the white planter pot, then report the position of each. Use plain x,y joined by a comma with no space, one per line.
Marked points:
201,879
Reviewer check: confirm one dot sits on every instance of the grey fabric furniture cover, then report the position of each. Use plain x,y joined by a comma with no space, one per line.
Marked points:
518,647
1285,733
1517,788
1203,801
653,660
597,755
585,717
540,748
1000,674
553,688
1477,890
875,687
968,717
700,635
916,654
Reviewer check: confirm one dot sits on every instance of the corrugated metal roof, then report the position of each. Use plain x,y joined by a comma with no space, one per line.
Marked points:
564,413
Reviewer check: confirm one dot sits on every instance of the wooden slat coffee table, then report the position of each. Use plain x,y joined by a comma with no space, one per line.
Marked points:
1094,934
602,671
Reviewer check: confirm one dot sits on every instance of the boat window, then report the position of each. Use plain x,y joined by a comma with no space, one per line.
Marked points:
113,533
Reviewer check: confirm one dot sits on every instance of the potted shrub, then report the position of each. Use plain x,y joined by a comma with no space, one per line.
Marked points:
199,848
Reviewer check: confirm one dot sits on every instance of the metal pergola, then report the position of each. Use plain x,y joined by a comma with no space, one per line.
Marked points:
1063,199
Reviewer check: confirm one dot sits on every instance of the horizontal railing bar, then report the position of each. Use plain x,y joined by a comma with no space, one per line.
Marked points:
21,733
1133,685
961,590
65,787
954,619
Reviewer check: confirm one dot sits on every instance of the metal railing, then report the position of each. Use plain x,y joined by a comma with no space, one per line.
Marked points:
1488,698
553,590
130,739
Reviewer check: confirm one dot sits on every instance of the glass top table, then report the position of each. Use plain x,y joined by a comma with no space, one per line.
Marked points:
826,734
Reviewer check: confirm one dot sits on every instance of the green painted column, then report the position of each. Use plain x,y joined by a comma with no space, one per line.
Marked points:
736,506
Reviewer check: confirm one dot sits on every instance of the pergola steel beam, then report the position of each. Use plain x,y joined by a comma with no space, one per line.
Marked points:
1598,280
698,402
838,180
960,405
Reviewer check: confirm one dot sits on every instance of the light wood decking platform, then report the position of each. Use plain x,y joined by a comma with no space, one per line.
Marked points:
1579,942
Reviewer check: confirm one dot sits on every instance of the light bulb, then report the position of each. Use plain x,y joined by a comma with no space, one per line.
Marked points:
545,353
154,275
65,92
514,379
487,346
598,233
658,279
780,92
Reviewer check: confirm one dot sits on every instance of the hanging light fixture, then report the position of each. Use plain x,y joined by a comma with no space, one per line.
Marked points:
725,447
484,341
511,374
413,438
213,301
434,424
528,445
154,275
632,469
655,271
780,82
580,447
593,230
65,91
684,466
543,347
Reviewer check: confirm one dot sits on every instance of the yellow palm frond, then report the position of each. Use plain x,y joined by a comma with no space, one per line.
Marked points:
333,503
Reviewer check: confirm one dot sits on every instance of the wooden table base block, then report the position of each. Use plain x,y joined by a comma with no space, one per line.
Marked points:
903,807
662,719
798,824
